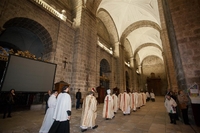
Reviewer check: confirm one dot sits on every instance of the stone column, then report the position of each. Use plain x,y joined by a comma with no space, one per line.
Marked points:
131,74
120,75
135,83
85,51
174,47
167,70
142,83
167,53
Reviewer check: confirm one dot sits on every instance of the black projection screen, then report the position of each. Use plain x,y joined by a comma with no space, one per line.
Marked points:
28,75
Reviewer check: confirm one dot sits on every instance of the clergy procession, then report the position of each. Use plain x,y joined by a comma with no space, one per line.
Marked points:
57,117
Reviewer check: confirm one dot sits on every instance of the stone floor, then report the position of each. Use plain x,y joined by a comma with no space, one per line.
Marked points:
151,118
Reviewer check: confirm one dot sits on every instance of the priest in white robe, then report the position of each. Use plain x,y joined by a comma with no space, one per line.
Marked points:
139,100
108,111
125,103
134,101
62,112
119,100
89,112
115,102
48,119
143,98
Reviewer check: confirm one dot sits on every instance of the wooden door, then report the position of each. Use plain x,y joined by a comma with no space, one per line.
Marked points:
101,94
155,85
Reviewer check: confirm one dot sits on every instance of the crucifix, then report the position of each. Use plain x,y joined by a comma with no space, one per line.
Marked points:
65,62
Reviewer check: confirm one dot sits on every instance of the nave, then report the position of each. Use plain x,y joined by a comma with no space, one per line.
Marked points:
151,118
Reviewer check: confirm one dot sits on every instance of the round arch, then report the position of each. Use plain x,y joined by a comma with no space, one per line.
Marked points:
105,17
146,45
31,26
155,51
104,67
136,25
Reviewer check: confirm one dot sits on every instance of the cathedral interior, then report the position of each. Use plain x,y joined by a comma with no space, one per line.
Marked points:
133,45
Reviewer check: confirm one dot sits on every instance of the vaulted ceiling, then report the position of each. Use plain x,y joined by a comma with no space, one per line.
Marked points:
135,24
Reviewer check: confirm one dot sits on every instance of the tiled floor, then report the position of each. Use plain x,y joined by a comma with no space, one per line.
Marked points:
151,118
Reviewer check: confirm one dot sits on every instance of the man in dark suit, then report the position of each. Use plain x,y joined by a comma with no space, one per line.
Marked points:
78,98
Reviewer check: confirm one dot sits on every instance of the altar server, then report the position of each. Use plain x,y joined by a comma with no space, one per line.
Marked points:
170,105
62,112
48,119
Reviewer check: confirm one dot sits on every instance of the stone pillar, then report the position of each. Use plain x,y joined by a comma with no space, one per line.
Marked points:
166,71
120,75
135,83
167,53
85,51
112,73
131,74
174,47
142,80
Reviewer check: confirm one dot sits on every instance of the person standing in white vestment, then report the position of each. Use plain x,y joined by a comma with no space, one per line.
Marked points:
108,111
62,112
48,119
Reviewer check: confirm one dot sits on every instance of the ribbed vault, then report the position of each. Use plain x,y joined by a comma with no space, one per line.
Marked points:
136,24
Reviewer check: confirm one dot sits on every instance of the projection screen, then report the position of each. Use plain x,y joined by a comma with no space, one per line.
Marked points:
28,75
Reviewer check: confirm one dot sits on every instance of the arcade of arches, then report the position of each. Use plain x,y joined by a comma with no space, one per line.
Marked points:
141,45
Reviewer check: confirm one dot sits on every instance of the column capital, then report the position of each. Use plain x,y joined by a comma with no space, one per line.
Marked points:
117,43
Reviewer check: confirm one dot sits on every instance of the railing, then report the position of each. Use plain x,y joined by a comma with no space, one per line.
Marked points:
52,10
110,51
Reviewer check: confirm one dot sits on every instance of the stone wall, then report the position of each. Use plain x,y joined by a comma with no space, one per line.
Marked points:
61,33
155,65
186,21
84,53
